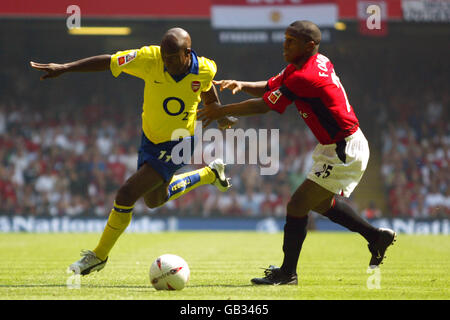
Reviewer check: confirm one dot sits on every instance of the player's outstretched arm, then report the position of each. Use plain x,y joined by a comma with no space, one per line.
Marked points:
256,89
244,108
210,99
91,64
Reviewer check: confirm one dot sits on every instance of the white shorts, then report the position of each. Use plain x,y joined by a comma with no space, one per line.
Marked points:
338,167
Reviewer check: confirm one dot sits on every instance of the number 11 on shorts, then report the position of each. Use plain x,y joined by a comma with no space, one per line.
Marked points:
161,156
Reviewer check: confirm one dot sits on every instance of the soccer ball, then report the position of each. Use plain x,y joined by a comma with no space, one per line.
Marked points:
169,272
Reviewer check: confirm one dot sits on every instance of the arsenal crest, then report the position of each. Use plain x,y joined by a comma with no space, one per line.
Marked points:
195,85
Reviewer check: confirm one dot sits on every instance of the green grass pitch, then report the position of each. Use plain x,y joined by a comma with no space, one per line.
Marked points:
332,266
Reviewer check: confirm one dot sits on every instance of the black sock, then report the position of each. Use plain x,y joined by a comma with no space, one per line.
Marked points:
294,235
341,213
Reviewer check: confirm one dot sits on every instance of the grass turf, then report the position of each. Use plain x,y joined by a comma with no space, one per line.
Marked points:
332,266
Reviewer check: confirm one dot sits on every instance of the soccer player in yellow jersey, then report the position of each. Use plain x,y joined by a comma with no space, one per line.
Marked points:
176,80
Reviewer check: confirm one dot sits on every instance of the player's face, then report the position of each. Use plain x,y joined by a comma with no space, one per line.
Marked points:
294,48
176,63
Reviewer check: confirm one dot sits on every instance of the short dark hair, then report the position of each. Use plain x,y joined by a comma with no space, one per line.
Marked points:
306,30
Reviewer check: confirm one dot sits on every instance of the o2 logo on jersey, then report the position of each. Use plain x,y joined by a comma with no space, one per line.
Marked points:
170,111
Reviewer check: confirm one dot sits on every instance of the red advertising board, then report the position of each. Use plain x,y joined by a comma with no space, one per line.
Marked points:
347,9
108,8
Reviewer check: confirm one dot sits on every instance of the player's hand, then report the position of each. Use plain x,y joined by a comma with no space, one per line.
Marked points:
52,70
226,122
233,85
209,113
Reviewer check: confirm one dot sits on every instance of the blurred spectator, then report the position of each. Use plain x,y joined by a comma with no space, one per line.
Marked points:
251,201
371,212
415,162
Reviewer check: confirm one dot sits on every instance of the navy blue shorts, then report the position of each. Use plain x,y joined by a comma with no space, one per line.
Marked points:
158,156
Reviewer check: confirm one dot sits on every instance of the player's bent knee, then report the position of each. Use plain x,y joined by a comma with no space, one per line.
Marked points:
326,205
125,196
296,209
152,203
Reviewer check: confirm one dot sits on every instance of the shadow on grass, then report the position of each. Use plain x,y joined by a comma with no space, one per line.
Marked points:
95,286
65,285
222,286
32,285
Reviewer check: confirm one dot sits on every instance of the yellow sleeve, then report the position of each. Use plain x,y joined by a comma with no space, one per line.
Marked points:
137,62
212,70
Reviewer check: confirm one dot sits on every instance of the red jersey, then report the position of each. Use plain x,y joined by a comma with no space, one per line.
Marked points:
319,97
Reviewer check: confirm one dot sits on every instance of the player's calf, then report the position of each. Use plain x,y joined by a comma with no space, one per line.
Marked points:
156,198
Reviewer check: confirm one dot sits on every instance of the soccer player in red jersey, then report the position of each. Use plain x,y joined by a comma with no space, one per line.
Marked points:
340,158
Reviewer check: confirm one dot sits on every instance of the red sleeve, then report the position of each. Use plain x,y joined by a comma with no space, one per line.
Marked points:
276,101
275,82
283,91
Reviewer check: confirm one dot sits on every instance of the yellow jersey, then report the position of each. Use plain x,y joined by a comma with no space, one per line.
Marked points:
169,103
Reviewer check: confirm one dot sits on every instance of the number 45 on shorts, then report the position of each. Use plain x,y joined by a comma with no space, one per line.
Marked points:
325,172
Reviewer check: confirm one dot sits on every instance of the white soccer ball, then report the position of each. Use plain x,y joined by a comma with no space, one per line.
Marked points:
169,272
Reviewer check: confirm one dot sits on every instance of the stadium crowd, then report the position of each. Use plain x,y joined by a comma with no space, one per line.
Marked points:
58,164
415,160
412,118
60,157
